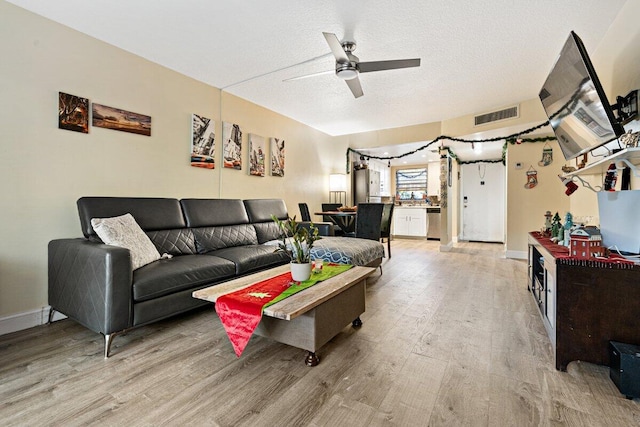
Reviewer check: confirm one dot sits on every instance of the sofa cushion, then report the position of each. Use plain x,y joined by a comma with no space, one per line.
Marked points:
213,212
125,232
175,242
150,213
267,231
252,257
212,238
260,210
168,276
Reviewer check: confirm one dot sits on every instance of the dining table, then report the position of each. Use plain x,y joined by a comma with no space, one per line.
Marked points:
346,220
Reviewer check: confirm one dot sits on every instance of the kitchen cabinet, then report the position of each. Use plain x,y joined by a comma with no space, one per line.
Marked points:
411,221
433,179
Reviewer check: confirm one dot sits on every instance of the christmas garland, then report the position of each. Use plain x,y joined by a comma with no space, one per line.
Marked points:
509,139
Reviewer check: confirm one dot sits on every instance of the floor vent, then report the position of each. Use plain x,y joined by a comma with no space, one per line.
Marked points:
495,116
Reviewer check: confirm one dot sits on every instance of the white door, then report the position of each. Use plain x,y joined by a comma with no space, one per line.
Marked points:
483,201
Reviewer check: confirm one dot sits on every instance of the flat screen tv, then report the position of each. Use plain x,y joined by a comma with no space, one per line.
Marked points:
575,103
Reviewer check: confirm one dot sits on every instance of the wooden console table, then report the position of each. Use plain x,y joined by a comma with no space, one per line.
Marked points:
584,304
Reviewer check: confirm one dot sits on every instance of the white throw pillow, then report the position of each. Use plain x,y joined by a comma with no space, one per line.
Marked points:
125,232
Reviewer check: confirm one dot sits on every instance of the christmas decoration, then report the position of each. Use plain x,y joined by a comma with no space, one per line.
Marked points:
532,178
568,225
547,156
556,228
610,178
547,221
571,186
510,139
586,242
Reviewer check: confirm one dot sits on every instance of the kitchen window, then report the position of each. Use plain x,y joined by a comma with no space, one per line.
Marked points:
411,184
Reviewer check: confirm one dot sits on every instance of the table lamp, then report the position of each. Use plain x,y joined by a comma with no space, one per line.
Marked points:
337,187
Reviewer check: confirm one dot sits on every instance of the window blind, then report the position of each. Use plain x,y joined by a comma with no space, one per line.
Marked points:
411,180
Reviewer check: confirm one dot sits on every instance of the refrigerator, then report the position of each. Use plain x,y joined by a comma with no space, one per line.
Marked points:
366,186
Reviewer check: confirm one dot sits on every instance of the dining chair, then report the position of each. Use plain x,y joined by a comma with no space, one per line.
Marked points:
369,220
304,212
328,207
385,226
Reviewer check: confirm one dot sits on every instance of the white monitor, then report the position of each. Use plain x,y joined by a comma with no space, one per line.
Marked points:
620,219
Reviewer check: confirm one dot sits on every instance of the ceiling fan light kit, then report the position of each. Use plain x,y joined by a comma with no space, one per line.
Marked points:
346,71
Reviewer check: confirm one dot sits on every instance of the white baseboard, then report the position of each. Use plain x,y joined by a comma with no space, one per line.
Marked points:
27,319
516,254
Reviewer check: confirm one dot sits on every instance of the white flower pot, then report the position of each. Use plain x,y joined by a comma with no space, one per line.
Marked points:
300,272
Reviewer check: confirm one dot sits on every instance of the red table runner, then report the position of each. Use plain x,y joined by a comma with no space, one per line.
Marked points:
561,254
241,311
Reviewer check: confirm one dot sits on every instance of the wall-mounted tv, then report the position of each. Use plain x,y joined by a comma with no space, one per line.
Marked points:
576,104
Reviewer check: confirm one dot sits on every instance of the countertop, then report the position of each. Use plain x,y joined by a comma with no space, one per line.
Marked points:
428,207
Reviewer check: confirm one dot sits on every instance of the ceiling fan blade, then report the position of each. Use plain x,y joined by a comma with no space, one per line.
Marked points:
319,73
336,47
367,67
354,85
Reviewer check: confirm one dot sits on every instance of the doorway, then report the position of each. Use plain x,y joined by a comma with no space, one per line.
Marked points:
483,202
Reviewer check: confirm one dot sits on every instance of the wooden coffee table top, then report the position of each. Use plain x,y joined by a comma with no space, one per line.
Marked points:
297,304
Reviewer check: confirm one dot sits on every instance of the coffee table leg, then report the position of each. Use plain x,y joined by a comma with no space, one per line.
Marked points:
312,359
357,323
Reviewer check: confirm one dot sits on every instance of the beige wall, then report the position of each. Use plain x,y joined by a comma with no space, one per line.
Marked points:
394,136
526,207
44,170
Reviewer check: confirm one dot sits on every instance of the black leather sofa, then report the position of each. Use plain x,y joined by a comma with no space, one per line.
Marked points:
211,241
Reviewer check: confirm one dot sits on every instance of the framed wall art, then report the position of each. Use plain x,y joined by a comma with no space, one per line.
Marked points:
277,157
257,150
122,120
73,113
203,140
232,145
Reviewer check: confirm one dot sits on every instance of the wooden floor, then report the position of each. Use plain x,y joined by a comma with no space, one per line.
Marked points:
448,339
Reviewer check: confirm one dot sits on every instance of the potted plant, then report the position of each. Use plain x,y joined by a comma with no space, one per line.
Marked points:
297,241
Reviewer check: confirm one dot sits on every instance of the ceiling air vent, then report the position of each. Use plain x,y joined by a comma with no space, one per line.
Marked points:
495,116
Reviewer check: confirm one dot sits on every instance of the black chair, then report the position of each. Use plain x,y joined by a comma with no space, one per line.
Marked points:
385,226
328,207
369,221
304,212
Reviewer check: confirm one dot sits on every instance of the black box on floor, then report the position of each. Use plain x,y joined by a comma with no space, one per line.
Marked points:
624,368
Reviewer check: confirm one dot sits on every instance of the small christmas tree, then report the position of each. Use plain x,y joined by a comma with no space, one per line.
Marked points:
568,221
556,227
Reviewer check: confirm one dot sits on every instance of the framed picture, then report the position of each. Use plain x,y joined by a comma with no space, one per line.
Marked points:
277,157
122,120
257,152
203,140
232,145
73,113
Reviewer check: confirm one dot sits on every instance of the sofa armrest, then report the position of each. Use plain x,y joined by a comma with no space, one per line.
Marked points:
91,283
324,228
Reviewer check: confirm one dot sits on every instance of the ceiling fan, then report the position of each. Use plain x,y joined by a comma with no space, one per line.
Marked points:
348,66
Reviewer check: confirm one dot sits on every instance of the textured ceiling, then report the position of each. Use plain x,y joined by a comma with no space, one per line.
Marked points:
476,55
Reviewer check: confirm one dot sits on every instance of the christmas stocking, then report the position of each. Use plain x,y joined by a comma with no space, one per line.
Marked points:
532,178
547,156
